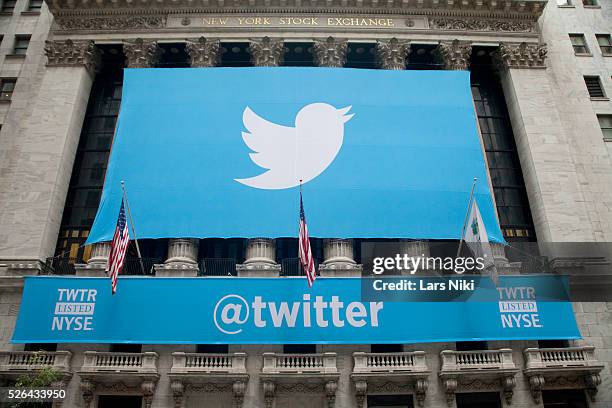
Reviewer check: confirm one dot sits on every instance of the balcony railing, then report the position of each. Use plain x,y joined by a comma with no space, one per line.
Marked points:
555,358
34,360
276,363
292,267
477,360
217,267
60,266
65,266
101,362
183,363
389,362
132,266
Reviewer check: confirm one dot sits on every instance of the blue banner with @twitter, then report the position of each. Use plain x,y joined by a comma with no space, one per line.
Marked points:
285,310
221,152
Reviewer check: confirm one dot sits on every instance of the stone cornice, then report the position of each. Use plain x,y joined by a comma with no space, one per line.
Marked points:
521,55
514,9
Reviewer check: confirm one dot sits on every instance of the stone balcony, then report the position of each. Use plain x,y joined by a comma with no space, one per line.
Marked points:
208,372
130,372
15,363
480,369
406,372
316,373
575,367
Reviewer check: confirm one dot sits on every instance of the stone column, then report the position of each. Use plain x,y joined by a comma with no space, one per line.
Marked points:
546,160
96,265
267,52
42,152
182,258
330,52
203,53
392,54
455,55
140,53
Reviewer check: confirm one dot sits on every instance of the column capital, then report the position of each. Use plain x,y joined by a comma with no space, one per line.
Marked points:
203,52
68,53
521,55
140,53
266,52
330,52
455,55
392,54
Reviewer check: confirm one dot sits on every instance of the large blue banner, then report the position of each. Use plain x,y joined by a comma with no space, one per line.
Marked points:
220,152
275,310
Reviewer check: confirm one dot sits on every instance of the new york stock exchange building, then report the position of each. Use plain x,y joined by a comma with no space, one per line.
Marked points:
222,115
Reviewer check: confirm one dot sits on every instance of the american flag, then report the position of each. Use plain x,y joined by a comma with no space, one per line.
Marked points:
305,251
121,239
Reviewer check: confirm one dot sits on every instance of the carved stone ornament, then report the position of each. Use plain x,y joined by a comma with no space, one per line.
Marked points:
455,55
330,52
148,390
178,391
269,389
266,52
361,391
111,23
330,393
482,25
69,53
239,389
140,53
87,390
450,386
521,55
420,388
392,54
508,384
592,381
536,383
203,52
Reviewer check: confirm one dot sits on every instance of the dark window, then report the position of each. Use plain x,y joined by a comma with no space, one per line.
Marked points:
125,348
8,6
35,5
174,56
553,343
21,44
593,84
390,401
422,57
92,157
7,86
471,345
589,2
605,43
212,348
119,401
564,399
235,55
386,348
40,347
579,44
605,122
478,400
298,55
361,56
502,156
299,348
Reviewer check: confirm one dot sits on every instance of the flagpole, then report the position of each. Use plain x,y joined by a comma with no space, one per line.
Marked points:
127,204
467,215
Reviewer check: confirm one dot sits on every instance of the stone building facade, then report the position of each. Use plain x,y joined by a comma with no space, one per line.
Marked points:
550,63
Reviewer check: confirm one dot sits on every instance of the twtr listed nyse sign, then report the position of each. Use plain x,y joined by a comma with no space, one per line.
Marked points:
74,309
518,307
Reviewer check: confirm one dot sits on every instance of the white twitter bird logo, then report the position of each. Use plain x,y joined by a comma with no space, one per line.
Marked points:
295,153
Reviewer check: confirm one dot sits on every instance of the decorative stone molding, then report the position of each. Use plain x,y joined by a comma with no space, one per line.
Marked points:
182,251
455,55
338,253
88,389
269,389
361,391
266,52
148,390
512,26
450,386
521,55
203,53
330,52
74,23
260,259
140,53
392,54
536,383
238,389
72,53
420,390
100,252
